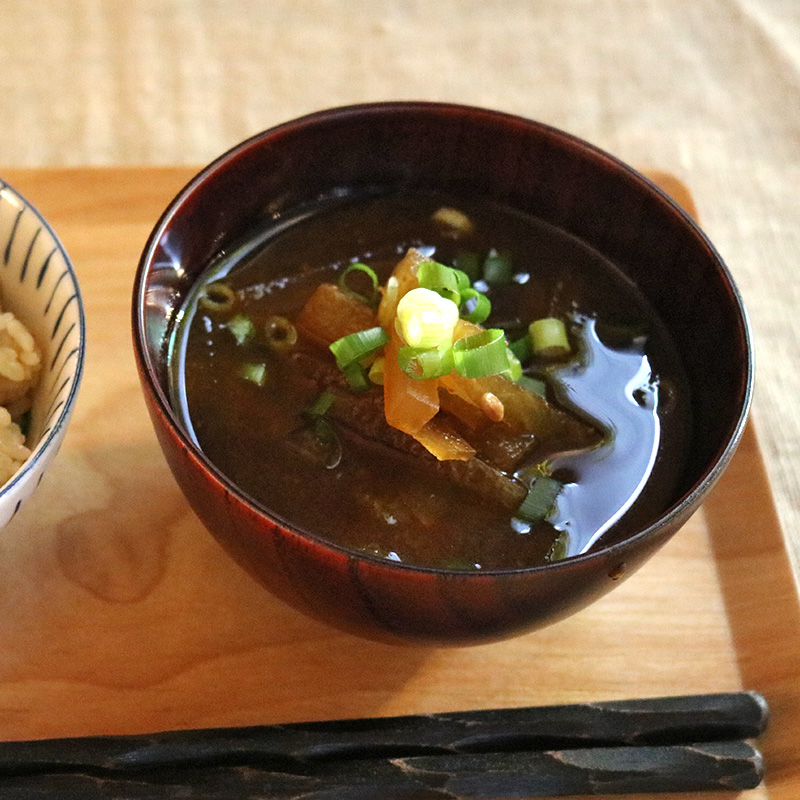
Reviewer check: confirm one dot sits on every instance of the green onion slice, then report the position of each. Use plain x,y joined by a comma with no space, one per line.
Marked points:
540,501
373,295
549,338
522,348
497,269
534,385
469,263
321,404
475,306
356,376
241,327
426,362
559,550
481,354
217,296
328,445
462,278
255,373
376,371
355,347
439,278
514,371
280,333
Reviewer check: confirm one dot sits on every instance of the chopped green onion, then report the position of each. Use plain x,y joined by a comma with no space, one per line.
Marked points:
470,264
497,269
534,385
454,284
440,279
481,354
280,333
462,279
356,377
355,347
255,373
241,327
216,297
375,373
475,306
559,550
426,362
373,295
326,446
514,371
522,348
425,318
540,501
549,338
321,404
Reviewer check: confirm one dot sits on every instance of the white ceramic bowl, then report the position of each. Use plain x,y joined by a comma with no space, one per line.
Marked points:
38,284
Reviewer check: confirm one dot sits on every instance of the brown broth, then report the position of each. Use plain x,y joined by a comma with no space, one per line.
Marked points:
626,378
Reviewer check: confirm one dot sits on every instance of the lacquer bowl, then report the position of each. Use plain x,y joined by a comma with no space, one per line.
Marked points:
459,150
39,286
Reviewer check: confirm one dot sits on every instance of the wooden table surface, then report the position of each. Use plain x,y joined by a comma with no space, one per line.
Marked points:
120,614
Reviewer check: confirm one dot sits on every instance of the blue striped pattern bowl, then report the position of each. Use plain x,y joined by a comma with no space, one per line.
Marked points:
39,287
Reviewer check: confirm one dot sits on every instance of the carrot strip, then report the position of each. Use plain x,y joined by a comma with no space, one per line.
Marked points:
403,279
331,313
408,403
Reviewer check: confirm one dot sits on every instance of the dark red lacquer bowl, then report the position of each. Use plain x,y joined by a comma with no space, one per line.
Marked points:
457,149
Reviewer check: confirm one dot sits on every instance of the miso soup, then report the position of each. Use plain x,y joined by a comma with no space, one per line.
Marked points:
268,405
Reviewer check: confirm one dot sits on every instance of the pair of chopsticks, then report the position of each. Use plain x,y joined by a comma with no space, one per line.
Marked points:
674,744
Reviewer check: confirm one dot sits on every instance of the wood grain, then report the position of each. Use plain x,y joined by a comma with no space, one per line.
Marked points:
120,614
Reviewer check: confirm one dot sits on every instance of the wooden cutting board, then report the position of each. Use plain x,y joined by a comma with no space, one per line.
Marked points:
120,614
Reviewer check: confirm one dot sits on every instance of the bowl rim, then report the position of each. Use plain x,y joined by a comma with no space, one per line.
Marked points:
680,508
42,448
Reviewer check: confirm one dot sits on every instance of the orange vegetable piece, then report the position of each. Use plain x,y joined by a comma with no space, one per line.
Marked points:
408,404
443,442
403,279
331,313
465,412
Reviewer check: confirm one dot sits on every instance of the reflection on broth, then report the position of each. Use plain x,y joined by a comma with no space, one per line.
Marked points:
513,470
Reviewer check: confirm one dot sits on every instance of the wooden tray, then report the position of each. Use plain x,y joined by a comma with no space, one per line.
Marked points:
120,614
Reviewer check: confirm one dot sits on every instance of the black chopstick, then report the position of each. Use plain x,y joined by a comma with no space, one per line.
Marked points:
730,766
664,720
687,743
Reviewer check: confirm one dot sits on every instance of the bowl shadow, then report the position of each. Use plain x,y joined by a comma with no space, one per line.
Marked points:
131,595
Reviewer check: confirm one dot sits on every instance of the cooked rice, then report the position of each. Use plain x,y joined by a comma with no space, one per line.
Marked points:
13,451
20,360
20,364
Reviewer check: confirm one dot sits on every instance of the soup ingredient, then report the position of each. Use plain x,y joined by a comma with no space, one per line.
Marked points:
256,373
457,221
427,348
426,319
241,328
549,338
331,313
217,297
280,333
353,434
